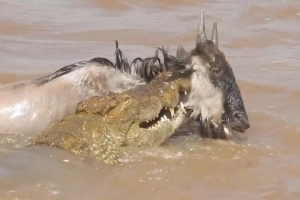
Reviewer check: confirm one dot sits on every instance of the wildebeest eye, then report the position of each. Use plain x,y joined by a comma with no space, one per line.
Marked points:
216,70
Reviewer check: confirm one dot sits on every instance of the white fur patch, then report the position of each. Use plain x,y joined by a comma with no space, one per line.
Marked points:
204,97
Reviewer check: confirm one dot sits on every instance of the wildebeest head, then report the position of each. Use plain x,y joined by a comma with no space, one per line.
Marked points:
217,101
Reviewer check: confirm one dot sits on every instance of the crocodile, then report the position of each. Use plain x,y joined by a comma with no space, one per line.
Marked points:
102,125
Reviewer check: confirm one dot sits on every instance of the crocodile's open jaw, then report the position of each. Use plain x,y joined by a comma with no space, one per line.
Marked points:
166,114
174,116
157,129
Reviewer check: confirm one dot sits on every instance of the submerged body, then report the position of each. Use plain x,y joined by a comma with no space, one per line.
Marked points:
30,107
145,116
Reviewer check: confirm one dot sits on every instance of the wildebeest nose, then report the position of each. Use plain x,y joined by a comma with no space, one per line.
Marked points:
241,122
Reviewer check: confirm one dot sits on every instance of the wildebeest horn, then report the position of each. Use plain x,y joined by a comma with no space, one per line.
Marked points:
201,36
214,35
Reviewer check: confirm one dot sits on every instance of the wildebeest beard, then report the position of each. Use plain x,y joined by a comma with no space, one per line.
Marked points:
215,75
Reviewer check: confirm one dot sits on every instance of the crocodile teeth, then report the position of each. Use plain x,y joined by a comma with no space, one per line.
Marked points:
185,92
159,123
181,105
171,111
165,117
162,119
182,108
226,131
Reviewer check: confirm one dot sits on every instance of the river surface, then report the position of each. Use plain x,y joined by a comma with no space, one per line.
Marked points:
261,40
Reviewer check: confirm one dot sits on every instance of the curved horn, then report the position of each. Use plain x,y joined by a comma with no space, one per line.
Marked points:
214,35
201,36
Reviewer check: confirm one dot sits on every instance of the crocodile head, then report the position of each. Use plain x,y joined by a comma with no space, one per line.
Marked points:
144,116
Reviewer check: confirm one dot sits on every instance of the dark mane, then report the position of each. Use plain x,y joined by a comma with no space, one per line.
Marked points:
151,67
121,62
146,68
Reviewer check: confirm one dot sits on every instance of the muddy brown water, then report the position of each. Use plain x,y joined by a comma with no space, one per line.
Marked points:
261,41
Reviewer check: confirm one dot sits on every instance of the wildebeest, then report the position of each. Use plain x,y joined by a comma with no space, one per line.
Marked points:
216,98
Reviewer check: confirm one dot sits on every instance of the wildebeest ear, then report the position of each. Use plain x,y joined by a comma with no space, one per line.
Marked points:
181,52
201,36
171,62
214,34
